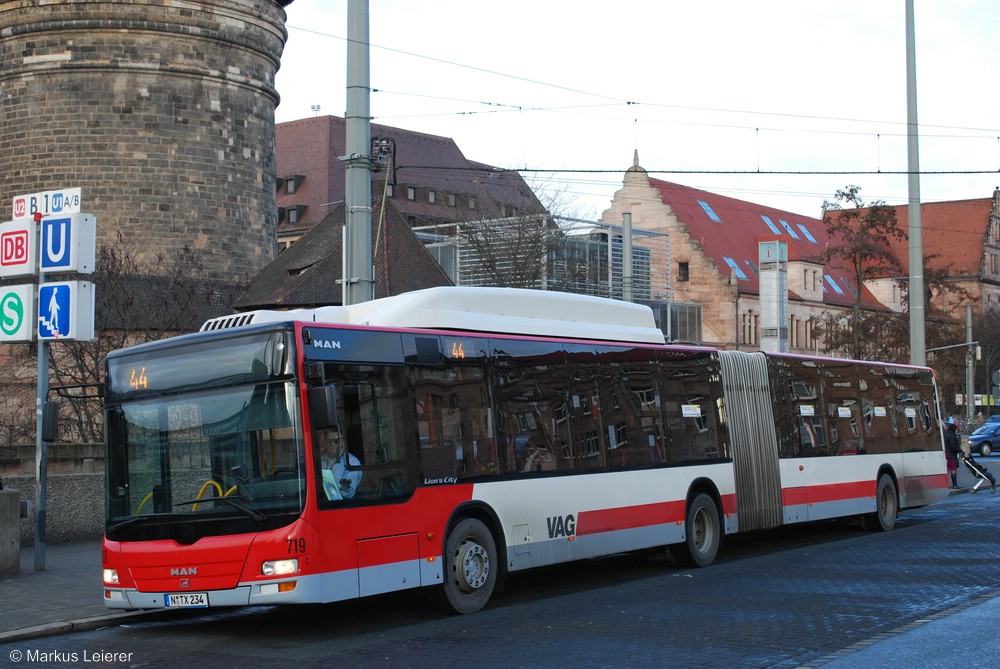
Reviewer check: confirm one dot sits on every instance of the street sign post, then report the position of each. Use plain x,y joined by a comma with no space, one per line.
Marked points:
49,234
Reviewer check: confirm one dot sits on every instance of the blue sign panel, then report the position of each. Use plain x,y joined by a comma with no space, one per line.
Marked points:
56,244
68,244
58,201
55,315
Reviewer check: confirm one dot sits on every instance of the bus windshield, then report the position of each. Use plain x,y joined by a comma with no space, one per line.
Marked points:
203,462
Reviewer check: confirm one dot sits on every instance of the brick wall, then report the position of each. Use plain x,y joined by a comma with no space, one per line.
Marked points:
162,112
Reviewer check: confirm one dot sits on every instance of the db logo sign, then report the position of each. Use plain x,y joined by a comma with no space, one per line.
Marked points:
14,248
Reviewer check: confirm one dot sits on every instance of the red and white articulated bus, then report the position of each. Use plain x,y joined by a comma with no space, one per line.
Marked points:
481,431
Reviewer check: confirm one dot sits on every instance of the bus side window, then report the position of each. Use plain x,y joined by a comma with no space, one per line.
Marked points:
690,393
453,415
374,416
530,386
628,380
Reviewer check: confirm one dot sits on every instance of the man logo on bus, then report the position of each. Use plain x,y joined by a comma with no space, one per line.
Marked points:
326,343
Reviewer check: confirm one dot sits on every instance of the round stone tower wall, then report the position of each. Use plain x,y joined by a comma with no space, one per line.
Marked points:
161,111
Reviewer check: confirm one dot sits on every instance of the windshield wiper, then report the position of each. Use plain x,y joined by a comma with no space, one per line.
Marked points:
230,501
130,521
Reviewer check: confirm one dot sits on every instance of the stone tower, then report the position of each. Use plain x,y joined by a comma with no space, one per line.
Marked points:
161,111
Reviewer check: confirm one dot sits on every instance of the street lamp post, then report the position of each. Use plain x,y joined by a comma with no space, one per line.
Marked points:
969,357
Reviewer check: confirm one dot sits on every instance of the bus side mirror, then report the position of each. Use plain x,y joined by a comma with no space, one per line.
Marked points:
50,421
323,407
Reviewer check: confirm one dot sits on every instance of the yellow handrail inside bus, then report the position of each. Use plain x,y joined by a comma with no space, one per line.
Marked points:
145,499
230,491
274,451
205,487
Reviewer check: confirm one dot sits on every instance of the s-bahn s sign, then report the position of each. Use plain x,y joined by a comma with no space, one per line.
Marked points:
17,313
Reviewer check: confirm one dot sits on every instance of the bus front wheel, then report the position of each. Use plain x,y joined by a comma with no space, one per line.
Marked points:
702,536
470,567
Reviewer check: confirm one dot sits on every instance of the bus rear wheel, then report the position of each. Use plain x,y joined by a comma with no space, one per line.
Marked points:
886,506
703,534
470,567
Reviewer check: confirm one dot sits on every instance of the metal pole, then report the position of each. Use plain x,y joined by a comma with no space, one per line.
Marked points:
358,273
918,353
41,446
627,256
970,361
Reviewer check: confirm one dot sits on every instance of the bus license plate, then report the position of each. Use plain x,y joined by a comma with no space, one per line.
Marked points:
187,600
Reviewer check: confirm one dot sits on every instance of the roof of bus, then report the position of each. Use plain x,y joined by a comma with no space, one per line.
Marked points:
476,309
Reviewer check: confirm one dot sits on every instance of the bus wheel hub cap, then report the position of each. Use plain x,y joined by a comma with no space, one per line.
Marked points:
474,564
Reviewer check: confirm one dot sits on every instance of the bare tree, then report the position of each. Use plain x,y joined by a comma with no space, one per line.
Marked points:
132,306
860,242
986,330
508,252
943,295
868,335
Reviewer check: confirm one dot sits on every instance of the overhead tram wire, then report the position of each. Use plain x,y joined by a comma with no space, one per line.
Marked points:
779,172
502,107
618,170
499,108
474,68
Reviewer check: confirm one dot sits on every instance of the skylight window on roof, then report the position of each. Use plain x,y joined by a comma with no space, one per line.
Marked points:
833,284
740,274
850,286
753,267
788,228
708,210
806,232
770,224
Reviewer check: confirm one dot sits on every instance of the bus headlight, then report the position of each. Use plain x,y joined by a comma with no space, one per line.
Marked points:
279,567
111,576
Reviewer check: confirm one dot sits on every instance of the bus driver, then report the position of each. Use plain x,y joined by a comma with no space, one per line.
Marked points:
340,478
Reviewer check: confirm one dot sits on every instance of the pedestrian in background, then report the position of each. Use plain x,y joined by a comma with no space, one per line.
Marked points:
952,448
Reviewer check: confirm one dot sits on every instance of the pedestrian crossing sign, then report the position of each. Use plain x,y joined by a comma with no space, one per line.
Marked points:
66,311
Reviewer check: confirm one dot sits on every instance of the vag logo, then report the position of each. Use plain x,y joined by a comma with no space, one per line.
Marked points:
561,526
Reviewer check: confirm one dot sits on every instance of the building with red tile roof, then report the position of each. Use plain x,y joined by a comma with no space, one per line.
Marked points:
961,240
427,177
714,260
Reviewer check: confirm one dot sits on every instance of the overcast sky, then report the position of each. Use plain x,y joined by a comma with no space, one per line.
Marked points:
706,86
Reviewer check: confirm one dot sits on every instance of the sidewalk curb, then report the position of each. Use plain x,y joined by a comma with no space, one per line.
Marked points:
69,626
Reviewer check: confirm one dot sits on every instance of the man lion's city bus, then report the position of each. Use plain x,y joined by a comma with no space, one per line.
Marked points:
481,431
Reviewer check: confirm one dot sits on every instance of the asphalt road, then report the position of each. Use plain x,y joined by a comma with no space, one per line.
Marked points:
800,597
